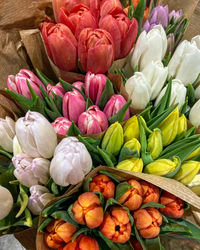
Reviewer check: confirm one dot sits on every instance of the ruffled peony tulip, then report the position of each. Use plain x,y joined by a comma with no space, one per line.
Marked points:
57,89
6,202
110,7
79,85
93,121
36,135
175,14
7,133
72,159
73,105
87,210
82,242
194,114
61,125
150,192
95,50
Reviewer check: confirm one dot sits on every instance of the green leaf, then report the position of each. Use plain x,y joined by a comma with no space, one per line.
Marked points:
80,231
107,93
44,224
58,100
109,175
126,153
86,184
51,114
63,215
69,211
118,71
153,244
191,95
165,61
139,14
54,189
101,197
196,81
22,199
89,103
111,202
173,173
121,189
172,227
44,78
184,107
73,130
120,114
5,153
106,157
152,204
141,241
146,114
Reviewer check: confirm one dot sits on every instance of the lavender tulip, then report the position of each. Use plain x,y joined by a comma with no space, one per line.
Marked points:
57,89
175,14
61,125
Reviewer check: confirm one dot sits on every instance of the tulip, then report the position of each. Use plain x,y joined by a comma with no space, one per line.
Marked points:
170,43
150,192
82,242
175,14
73,105
36,135
148,222
87,210
114,104
72,159
178,94
16,147
123,31
93,121
197,93
111,7
187,172
61,125
134,165
7,133
155,144
95,50
173,205
102,183
116,225
57,89
30,171
94,86
139,90
6,202
61,45
193,154
113,139
78,85
156,75
19,85
131,129
132,199
193,116
65,231
150,46
194,185
182,124
40,197
133,144
161,167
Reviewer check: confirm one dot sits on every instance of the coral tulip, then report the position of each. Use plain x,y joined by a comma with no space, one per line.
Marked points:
150,192
61,125
82,242
110,7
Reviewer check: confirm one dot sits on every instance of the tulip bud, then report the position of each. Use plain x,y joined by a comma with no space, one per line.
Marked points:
16,147
40,197
102,183
36,135
110,7
6,202
87,210
113,139
73,105
148,222
61,125
194,117
155,144
82,242
175,14
114,104
132,199
133,144
134,165
182,124
7,133
131,129
65,231
116,225
78,85
150,192
57,89
170,44
193,154
30,171
72,159
173,205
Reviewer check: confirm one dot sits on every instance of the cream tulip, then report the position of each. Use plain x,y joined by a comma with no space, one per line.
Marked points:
7,133
194,115
6,202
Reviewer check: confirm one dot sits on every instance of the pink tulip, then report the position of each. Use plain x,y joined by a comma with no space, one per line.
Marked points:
95,50
73,105
61,125
93,121
115,103
110,7
19,85
57,89
94,86
78,85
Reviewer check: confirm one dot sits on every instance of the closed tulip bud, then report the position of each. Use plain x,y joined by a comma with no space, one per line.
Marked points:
110,7
7,133
65,231
87,210
57,89
182,124
170,43
193,116
102,183
93,121
131,129
19,85
134,165
36,135
79,85
6,202
94,86
82,242
72,159
139,90
132,199
116,225
113,139
95,50
16,147
156,75
155,144
61,125
30,171
40,197
161,167
175,14
150,192
173,205
148,222
114,104
193,154
197,93
133,144
73,105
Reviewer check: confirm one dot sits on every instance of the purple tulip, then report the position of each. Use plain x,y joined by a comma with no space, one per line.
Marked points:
93,121
170,43
78,85
175,14
61,125
57,89
19,85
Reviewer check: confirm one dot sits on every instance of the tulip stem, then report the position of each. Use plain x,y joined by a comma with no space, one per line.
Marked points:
5,154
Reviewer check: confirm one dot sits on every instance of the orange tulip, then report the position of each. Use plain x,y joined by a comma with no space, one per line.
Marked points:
173,205
148,222
133,197
150,192
102,183
87,210
65,231
116,225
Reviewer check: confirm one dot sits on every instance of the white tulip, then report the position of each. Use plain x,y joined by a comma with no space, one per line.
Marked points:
156,74
197,93
16,147
7,133
36,135
71,162
194,115
139,90
6,202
